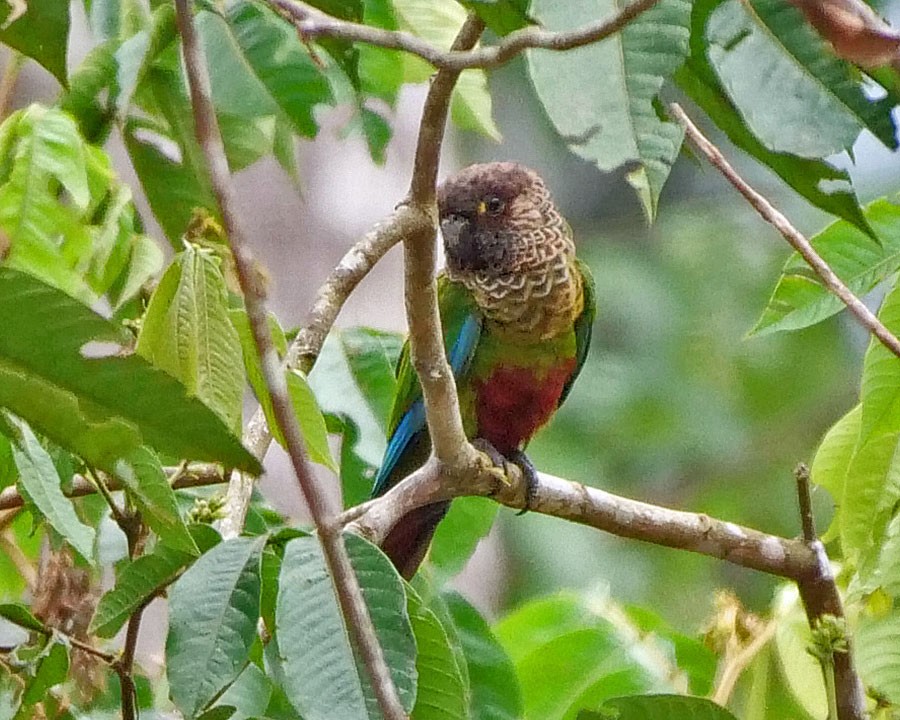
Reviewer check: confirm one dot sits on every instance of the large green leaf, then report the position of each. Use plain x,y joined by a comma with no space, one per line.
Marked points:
322,676
101,408
188,333
38,29
213,614
249,695
52,669
442,691
767,49
568,657
602,97
283,70
39,484
136,583
88,96
136,54
800,299
823,185
494,687
659,707
439,23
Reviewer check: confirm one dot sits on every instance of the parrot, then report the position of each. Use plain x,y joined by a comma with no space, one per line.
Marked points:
517,309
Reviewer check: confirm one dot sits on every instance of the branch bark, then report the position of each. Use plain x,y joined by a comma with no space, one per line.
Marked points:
794,237
313,23
347,589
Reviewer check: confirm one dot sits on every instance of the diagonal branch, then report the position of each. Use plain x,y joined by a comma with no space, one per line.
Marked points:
346,585
313,23
795,238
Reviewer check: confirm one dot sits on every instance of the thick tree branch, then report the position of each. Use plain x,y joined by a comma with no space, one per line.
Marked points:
313,23
347,589
804,563
794,237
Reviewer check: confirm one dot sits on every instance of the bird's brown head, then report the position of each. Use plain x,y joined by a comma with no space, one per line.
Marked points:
491,217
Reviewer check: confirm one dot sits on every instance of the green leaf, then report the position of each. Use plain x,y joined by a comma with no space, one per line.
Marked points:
458,534
442,691
568,657
101,408
800,670
87,99
39,484
136,54
273,52
823,185
800,299
321,673
20,615
52,668
439,23
40,30
601,98
146,483
303,401
188,333
249,695
659,707
173,189
758,47
501,16
494,687
136,583
144,263
832,460
877,654
213,613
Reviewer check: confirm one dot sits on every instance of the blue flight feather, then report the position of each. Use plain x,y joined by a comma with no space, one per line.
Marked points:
413,421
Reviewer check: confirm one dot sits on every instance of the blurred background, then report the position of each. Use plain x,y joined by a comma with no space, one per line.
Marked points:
676,406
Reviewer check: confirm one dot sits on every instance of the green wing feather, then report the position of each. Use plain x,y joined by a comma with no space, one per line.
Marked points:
584,325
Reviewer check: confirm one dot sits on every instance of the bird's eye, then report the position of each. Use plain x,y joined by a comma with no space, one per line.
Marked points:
494,205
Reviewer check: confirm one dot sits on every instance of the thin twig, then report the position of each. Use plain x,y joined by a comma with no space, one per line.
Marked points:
201,476
124,666
313,23
807,519
794,237
347,587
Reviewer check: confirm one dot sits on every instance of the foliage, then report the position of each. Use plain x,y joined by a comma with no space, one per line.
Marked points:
125,358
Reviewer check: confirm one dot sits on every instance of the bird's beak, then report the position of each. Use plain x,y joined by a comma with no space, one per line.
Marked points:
451,228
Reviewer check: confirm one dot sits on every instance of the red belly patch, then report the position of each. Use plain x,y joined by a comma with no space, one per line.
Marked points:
513,403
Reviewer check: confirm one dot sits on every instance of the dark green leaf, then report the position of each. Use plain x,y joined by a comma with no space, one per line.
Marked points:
659,707
84,100
20,615
824,186
136,583
135,55
822,107
101,408
213,613
52,668
280,62
442,692
601,98
494,687
249,695
40,30
322,675
39,484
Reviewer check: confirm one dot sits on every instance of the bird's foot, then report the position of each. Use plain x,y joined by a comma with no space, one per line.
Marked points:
496,458
529,473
